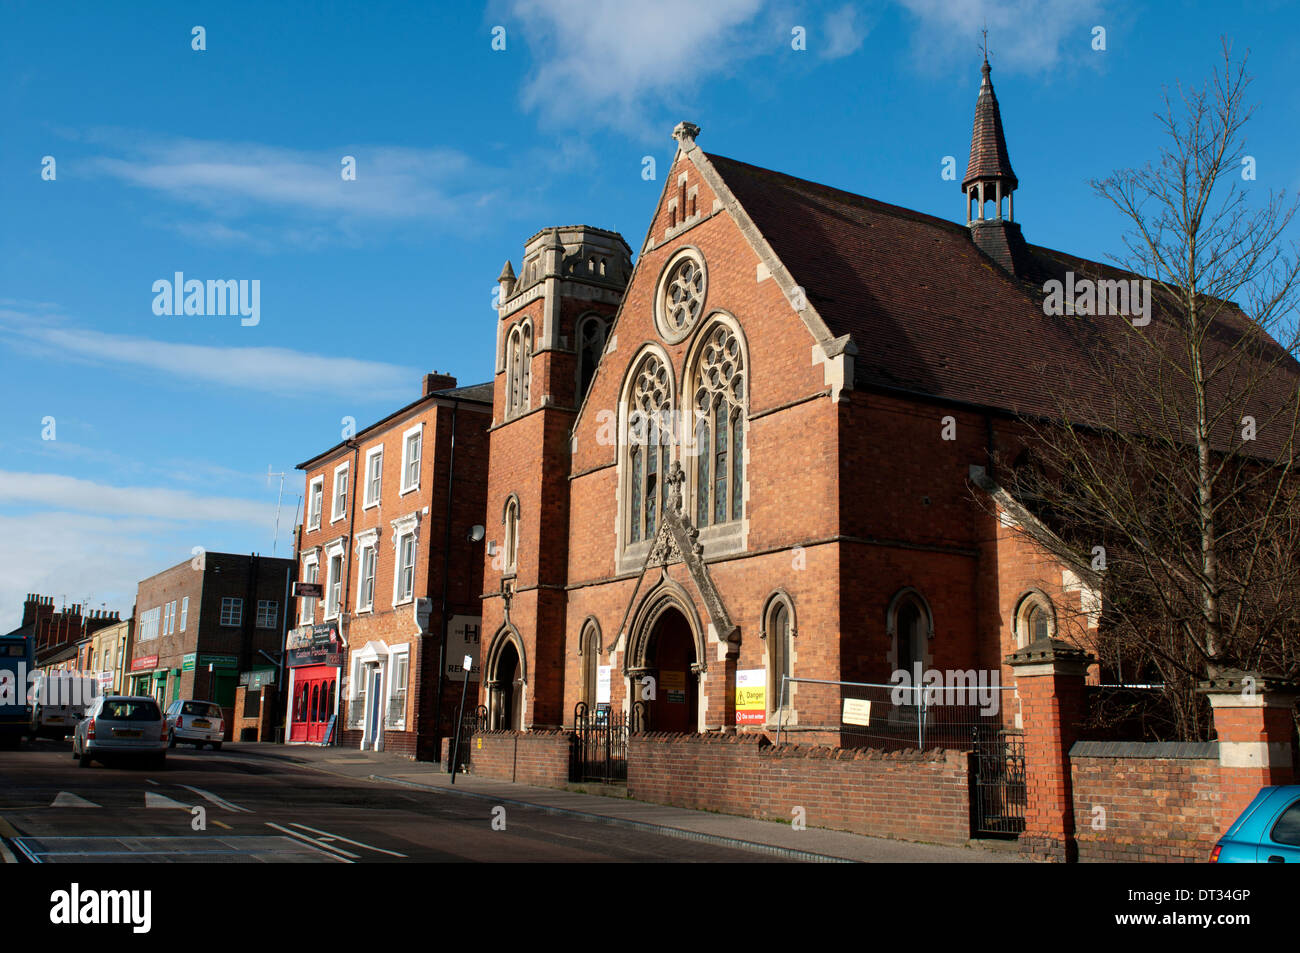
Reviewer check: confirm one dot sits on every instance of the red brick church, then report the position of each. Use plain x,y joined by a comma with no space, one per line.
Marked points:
762,447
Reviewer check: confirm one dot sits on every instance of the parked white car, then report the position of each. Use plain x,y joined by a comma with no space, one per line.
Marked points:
195,722
121,726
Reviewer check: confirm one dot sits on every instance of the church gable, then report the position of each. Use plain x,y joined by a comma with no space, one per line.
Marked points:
706,336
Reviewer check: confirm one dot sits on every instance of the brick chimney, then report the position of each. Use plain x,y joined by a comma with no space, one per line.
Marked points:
30,605
437,381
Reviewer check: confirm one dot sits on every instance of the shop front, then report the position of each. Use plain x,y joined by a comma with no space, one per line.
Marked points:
147,678
314,658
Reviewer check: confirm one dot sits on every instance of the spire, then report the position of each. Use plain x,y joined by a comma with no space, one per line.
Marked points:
988,174
990,181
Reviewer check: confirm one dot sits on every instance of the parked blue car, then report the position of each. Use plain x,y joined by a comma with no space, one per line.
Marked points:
1268,831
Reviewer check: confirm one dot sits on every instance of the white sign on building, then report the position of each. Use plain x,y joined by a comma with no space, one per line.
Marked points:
464,639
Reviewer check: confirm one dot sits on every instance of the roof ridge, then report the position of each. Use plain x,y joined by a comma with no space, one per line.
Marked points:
900,211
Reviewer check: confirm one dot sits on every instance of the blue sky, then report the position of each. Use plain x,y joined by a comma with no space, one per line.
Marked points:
225,163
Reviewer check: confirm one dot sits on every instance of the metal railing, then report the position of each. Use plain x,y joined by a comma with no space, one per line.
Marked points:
598,750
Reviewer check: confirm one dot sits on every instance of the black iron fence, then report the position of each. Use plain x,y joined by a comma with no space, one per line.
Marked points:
998,789
598,750
473,721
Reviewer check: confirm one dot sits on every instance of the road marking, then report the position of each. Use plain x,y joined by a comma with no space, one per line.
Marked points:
66,799
327,836
7,830
151,781
41,850
162,801
221,824
219,801
314,842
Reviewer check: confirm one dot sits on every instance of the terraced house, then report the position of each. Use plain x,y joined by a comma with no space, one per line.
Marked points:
386,536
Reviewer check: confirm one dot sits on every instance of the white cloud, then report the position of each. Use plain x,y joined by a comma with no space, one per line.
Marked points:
1027,36
151,502
273,370
844,32
92,542
93,559
603,60
391,182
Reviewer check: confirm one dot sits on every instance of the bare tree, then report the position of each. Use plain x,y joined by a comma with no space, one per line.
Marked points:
1174,446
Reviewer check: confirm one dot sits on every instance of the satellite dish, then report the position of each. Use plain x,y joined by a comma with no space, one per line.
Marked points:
476,533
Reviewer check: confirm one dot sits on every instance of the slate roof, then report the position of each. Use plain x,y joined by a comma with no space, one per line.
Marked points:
477,392
931,314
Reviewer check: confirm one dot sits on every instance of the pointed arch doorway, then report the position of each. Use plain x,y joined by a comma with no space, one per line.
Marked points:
667,651
505,684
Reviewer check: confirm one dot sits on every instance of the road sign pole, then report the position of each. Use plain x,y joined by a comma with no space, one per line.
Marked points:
467,664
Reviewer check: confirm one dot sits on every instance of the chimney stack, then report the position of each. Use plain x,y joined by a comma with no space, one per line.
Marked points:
438,381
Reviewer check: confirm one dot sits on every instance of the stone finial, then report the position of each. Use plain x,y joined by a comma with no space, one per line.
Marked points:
686,133
507,282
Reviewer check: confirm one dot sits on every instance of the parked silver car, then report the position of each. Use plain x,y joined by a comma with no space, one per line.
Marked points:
121,726
196,723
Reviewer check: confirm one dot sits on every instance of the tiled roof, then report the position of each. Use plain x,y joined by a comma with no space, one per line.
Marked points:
478,392
988,146
929,312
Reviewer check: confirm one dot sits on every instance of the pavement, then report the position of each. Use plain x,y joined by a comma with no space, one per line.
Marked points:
778,840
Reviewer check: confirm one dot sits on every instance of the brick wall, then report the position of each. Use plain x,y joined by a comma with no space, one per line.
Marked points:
1161,801
524,757
905,795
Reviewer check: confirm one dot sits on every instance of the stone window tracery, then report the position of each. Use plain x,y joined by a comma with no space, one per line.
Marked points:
680,300
519,359
719,407
649,440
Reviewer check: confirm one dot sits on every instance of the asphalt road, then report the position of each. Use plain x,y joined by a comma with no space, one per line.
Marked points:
224,807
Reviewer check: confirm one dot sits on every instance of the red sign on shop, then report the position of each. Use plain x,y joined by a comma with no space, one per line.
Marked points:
148,662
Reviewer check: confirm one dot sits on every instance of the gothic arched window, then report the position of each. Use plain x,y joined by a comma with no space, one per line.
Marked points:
909,635
1035,619
589,647
649,439
718,389
910,626
778,632
510,548
519,359
591,344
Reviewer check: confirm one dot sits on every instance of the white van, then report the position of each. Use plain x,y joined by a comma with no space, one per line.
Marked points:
59,702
